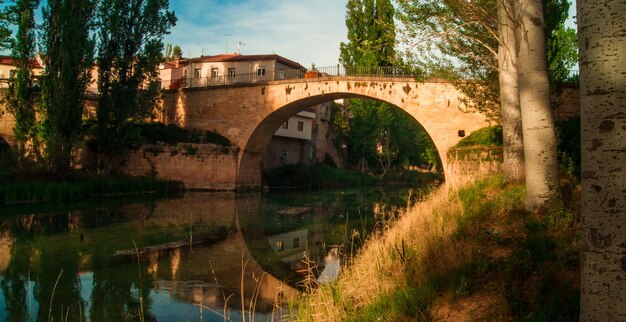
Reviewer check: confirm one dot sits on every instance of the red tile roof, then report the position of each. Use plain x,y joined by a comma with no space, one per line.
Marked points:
239,58
8,60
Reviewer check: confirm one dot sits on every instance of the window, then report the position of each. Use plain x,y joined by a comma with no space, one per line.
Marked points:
300,126
260,71
296,242
280,246
231,72
285,125
197,72
281,74
214,72
12,73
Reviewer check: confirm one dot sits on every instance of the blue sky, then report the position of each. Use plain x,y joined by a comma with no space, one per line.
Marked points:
306,31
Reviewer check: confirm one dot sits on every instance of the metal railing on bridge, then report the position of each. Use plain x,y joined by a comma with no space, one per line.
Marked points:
259,77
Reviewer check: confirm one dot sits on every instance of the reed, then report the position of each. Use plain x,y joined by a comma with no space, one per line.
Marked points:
34,190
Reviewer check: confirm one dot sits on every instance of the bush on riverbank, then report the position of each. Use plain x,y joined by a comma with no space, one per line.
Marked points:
24,187
469,255
323,176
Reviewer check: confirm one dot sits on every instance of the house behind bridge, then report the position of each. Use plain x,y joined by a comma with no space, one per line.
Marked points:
227,69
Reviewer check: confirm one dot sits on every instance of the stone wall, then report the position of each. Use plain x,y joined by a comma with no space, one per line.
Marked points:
472,163
198,166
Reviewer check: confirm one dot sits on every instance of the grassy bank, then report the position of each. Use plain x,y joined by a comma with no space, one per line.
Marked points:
41,187
469,255
323,176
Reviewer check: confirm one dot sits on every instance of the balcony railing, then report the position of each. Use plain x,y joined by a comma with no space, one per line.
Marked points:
240,79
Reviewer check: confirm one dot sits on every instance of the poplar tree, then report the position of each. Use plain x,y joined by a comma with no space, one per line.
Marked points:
67,49
19,99
601,27
129,51
476,41
377,134
542,169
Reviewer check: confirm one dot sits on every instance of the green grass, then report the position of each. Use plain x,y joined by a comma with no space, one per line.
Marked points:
487,136
42,187
481,247
172,134
324,176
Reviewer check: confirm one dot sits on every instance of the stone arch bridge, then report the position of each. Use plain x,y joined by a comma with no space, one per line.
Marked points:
250,114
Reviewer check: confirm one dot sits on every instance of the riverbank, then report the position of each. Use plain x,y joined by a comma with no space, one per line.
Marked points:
31,187
322,176
469,255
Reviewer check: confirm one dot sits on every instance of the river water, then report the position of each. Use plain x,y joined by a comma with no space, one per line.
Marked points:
200,257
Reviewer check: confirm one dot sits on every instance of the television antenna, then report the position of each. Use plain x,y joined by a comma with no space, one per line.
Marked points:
239,47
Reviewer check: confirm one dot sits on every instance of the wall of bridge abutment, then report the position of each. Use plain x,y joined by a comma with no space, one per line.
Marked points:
250,115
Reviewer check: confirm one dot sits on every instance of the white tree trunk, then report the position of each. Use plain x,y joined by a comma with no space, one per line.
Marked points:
542,172
513,147
602,44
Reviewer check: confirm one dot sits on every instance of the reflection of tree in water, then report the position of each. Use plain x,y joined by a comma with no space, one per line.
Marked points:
120,292
14,282
57,282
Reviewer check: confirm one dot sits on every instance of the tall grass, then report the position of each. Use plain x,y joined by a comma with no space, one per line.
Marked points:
467,255
35,190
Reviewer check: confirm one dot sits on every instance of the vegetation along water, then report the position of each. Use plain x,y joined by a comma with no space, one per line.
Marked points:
201,256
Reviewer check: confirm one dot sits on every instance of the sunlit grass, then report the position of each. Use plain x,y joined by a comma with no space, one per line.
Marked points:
468,254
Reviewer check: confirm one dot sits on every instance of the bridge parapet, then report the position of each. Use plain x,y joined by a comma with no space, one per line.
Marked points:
290,75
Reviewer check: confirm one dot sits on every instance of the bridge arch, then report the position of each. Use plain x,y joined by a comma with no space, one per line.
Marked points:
248,115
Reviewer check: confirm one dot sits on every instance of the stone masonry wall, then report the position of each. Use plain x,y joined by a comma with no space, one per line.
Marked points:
471,164
198,166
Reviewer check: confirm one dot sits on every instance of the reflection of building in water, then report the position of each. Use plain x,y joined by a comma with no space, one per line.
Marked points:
290,246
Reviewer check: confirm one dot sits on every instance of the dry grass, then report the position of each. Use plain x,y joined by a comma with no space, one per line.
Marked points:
467,255
407,251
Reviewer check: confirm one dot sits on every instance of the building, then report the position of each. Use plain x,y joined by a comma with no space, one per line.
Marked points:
228,69
8,69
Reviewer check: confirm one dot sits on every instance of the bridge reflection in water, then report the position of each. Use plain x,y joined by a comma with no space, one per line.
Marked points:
178,259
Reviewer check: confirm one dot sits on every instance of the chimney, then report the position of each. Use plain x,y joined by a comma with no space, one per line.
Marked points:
177,63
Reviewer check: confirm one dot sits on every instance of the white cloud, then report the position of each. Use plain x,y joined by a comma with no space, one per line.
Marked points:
307,31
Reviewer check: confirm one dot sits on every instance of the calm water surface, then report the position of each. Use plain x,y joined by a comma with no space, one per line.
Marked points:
201,257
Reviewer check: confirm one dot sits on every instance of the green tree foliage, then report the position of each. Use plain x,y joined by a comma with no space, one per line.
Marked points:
67,49
458,40
129,51
371,34
18,100
5,32
378,134
561,42
172,53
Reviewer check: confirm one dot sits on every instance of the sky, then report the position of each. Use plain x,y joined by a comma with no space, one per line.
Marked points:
306,31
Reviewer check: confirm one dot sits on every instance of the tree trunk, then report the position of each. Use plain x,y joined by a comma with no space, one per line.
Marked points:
513,147
602,44
542,171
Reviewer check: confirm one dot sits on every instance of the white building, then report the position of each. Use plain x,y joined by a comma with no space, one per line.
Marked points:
228,69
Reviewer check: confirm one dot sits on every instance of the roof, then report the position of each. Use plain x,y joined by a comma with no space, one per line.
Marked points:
238,58
172,64
8,60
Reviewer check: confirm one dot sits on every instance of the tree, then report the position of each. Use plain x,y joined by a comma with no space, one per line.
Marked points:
129,50
601,26
475,41
19,98
177,52
5,32
378,133
542,170
68,55
371,34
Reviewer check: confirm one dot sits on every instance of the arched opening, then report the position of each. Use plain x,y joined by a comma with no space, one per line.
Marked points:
251,158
